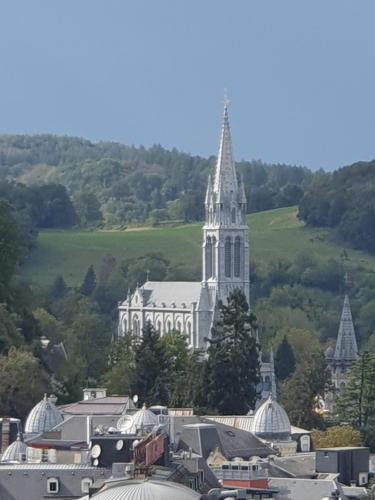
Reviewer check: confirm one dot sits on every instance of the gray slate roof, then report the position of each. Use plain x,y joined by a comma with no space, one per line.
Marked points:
110,405
301,465
205,436
169,292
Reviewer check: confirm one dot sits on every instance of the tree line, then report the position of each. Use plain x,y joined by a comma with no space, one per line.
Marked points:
131,185
345,201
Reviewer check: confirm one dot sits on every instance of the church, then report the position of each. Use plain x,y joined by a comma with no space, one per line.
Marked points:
190,306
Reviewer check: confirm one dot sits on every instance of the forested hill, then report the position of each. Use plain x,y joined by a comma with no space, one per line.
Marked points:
345,201
134,184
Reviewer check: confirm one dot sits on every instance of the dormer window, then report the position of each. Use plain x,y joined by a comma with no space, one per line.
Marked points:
86,483
52,485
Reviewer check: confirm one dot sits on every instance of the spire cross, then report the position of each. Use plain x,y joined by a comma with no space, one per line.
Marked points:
226,100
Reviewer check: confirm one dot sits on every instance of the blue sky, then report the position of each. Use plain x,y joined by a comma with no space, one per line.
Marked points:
300,74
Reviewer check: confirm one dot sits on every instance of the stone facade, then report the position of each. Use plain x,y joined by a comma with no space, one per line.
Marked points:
190,306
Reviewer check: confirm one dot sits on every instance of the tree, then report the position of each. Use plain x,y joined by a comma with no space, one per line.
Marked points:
89,282
88,208
10,241
9,333
119,378
22,383
183,369
151,368
336,436
355,403
231,373
50,327
152,264
58,288
299,393
285,363
87,339
55,207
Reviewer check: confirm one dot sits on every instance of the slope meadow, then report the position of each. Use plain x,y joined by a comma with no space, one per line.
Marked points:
274,234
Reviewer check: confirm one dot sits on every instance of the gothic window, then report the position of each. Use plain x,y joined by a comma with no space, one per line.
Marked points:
208,258
179,328
237,257
169,326
136,326
188,325
228,257
233,215
158,326
125,326
213,274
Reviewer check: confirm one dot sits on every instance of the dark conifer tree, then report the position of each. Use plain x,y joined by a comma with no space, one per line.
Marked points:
285,362
89,282
151,368
231,373
58,289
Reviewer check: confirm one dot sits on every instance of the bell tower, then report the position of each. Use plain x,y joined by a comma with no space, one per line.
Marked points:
225,233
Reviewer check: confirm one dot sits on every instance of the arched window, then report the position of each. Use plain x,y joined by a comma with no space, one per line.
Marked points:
125,326
158,326
237,257
208,258
228,257
233,215
179,327
213,257
169,326
135,326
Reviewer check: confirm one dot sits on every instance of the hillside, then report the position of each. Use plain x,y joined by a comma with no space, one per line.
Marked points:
131,185
344,201
274,235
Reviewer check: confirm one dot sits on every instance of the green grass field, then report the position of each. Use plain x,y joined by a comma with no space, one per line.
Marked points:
274,234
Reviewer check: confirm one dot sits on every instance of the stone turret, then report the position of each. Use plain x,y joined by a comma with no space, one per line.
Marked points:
341,358
346,344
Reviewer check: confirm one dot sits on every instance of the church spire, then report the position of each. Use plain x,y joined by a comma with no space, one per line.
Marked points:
225,180
346,345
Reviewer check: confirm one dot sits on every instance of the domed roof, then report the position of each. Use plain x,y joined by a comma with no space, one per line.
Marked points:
144,420
16,451
146,490
43,417
271,421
